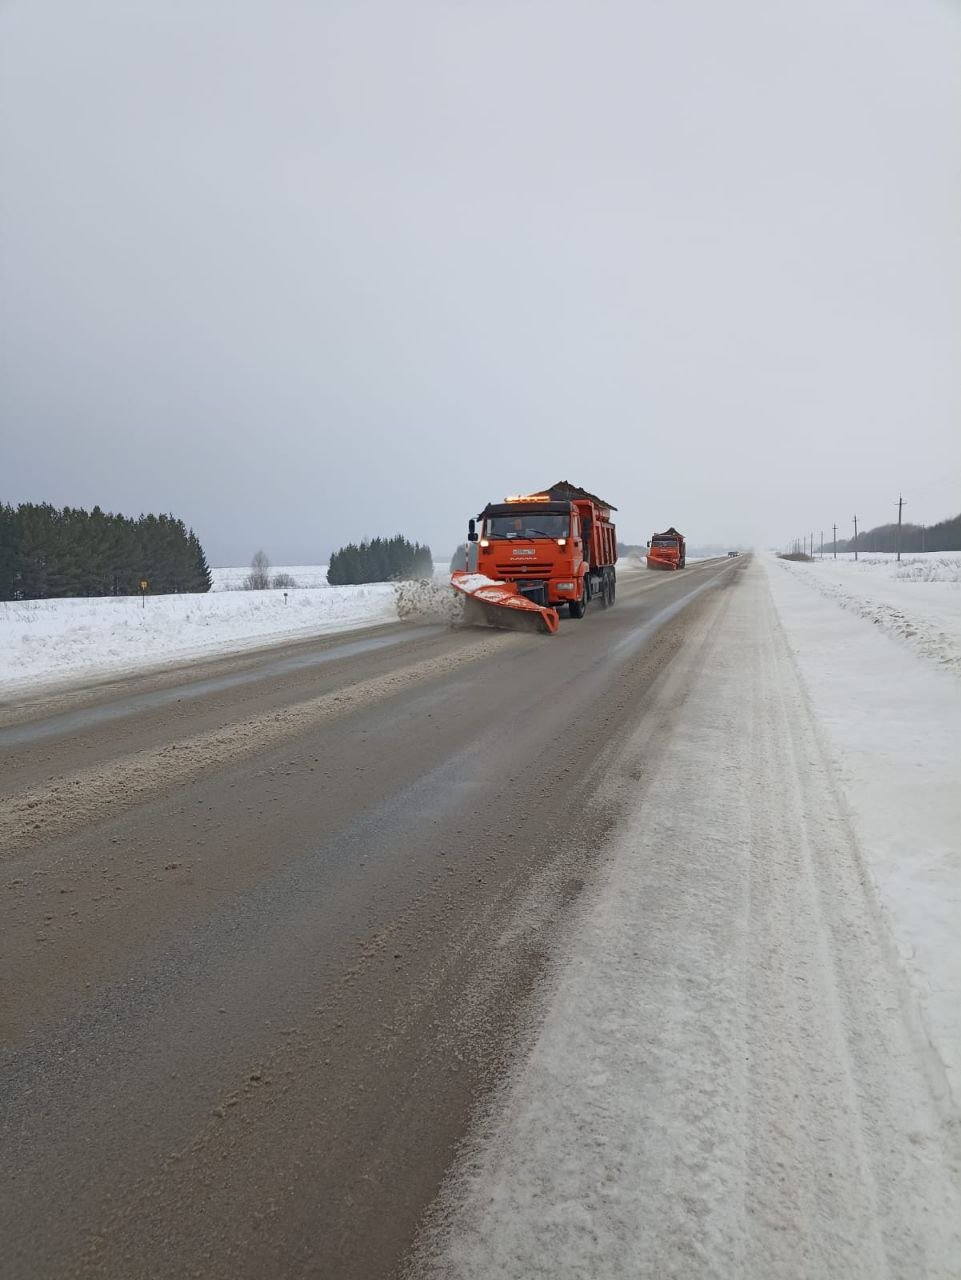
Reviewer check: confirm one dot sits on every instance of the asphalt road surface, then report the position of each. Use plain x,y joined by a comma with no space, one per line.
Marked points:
270,925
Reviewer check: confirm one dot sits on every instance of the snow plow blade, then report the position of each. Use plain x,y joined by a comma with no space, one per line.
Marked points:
500,604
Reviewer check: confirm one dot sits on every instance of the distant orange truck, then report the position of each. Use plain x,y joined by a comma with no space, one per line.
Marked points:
667,550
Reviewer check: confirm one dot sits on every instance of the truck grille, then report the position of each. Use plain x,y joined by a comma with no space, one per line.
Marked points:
524,568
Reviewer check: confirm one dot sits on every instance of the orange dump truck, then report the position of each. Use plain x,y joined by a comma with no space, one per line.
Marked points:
667,550
539,551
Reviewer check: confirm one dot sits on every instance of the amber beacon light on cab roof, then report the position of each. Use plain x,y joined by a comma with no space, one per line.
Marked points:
536,553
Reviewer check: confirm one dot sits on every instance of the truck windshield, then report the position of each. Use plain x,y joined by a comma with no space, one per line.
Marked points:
525,524
663,542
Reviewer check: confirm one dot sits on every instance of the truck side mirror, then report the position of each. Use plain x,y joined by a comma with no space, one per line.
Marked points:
648,542
471,531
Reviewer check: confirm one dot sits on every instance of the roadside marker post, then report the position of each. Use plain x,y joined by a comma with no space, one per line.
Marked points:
144,584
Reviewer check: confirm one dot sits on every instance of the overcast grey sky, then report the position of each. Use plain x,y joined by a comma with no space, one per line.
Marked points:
301,272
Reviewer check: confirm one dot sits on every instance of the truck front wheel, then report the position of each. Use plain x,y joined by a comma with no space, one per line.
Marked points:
577,608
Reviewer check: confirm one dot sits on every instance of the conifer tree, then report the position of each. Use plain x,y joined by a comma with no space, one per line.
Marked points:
202,580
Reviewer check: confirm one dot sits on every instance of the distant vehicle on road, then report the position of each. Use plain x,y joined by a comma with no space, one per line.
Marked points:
732,554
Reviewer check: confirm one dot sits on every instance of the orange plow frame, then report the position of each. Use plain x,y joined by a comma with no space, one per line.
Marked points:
670,560
500,604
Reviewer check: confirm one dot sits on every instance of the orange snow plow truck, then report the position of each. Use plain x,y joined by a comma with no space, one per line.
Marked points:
667,550
537,552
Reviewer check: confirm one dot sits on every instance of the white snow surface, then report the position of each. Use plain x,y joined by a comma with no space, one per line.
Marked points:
51,642
474,581
745,1058
918,599
231,577
882,673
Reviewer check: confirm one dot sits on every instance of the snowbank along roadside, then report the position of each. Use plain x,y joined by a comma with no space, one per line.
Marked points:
892,715
917,600
47,642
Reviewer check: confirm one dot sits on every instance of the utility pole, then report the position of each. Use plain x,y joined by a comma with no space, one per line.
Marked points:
900,505
855,537
835,541
822,545
812,544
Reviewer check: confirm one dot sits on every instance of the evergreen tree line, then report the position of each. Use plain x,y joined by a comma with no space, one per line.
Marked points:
943,536
45,551
379,560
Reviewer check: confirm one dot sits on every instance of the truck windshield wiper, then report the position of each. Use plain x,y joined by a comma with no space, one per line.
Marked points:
538,533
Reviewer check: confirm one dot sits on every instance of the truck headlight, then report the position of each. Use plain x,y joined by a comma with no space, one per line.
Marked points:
564,586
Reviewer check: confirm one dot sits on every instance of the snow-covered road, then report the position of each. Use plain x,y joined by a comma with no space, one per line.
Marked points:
731,1075
673,897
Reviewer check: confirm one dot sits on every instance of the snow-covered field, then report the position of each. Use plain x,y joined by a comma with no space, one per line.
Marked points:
231,578
747,1059
917,600
46,642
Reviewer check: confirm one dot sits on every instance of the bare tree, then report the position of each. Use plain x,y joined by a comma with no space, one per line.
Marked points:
259,577
283,580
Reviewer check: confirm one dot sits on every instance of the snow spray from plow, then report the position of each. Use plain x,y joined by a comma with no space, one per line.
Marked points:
500,604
